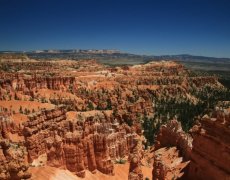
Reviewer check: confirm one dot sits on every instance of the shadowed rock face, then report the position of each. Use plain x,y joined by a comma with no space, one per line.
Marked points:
172,152
207,157
211,147
172,135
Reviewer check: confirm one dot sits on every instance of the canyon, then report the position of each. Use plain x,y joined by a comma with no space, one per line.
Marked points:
87,120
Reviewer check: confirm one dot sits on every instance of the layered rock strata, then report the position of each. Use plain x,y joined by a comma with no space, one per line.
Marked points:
168,164
172,134
77,145
210,157
172,152
13,156
135,172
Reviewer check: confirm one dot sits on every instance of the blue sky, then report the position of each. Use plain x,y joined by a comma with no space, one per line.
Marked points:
198,27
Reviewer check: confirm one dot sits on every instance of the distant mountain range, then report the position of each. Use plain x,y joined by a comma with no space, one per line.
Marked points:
93,51
109,54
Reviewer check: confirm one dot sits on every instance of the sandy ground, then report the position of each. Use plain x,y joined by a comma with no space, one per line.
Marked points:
48,93
51,173
14,105
19,118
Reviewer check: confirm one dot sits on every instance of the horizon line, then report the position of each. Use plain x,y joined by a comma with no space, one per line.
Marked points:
94,49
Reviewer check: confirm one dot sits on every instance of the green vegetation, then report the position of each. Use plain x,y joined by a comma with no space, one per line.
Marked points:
183,109
20,110
90,105
109,104
10,56
43,100
120,161
150,126
5,67
225,82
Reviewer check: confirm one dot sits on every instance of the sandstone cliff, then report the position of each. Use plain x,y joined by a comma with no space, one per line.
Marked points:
210,157
172,152
172,134
92,143
13,155
135,172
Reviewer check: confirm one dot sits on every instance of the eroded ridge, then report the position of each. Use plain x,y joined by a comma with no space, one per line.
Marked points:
83,116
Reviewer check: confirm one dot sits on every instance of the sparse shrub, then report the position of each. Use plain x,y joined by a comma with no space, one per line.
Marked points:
120,161
20,110
90,105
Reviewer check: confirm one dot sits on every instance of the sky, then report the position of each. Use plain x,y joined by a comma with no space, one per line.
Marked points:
163,27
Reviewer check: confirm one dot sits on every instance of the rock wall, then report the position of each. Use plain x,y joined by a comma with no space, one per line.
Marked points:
172,134
91,143
56,83
13,156
168,164
210,157
172,152
135,172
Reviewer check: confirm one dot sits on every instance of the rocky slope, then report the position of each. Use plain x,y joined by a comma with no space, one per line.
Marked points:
83,116
205,155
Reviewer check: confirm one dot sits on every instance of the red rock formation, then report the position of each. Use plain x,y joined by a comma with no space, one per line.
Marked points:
172,134
210,157
135,172
168,164
173,147
103,161
206,160
92,141
74,154
89,143
13,160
